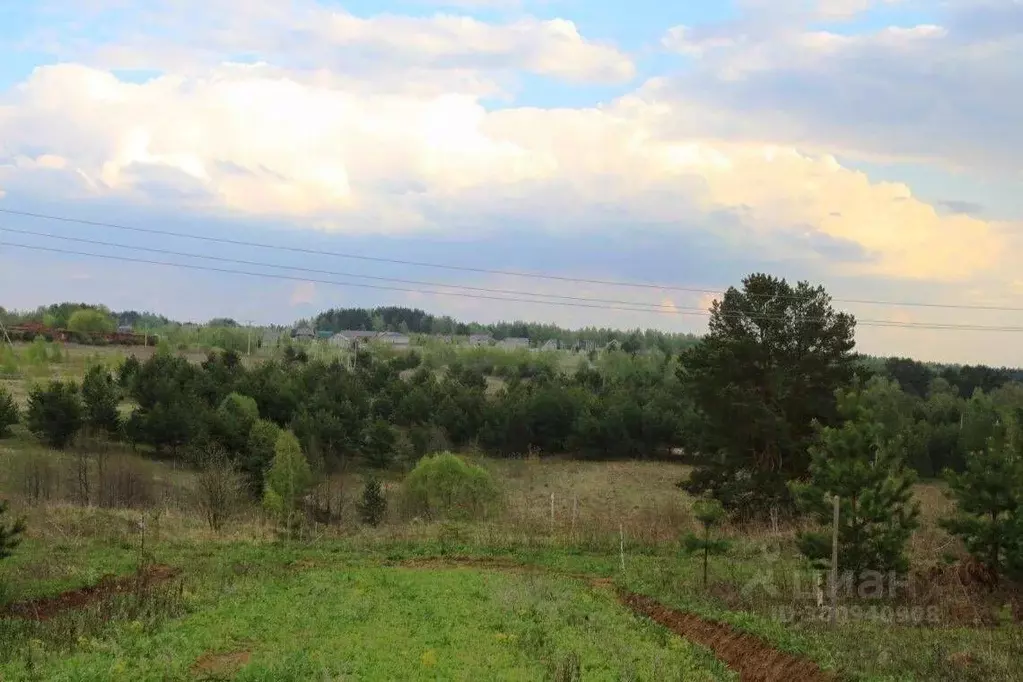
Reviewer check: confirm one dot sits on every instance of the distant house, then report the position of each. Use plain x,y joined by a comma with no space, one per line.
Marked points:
481,340
550,344
514,342
324,334
351,337
303,333
125,329
394,339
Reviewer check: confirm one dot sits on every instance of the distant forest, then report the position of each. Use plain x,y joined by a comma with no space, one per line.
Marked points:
913,376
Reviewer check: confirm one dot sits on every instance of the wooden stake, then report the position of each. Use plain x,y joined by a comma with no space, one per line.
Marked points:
621,544
834,564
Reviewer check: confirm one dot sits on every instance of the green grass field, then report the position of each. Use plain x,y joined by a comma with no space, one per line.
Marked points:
387,623
346,603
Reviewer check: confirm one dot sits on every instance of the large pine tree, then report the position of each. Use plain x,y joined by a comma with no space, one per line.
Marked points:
767,369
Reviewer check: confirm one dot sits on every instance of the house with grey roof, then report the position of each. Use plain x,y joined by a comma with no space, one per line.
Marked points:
394,339
513,342
481,340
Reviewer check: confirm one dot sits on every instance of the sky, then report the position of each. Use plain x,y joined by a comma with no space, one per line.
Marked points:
659,151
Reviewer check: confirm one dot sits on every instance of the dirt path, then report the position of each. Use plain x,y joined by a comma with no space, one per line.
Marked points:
45,608
754,659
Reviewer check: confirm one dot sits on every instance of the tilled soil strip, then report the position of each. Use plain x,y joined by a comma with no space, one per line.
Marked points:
45,608
753,658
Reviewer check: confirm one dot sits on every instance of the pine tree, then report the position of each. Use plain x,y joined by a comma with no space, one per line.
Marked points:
709,513
55,413
9,413
100,397
989,504
373,505
877,514
10,535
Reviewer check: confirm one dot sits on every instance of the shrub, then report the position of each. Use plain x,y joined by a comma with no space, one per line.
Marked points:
10,533
55,413
34,472
443,486
124,481
8,412
373,505
219,486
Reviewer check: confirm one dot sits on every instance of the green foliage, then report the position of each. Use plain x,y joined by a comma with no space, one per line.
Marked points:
258,455
373,505
234,419
709,513
380,444
100,396
9,413
38,352
767,369
444,486
989,506
288,480
863,462
55,413
10,533
91,321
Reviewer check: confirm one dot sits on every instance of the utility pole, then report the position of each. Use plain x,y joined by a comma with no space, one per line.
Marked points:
248,324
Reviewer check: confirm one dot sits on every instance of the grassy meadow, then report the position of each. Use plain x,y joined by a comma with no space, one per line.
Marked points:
533,593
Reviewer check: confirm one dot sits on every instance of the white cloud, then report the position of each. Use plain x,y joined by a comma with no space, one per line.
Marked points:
945,92
261,144
189,36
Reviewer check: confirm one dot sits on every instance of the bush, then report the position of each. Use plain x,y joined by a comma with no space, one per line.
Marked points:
443,486
8,413
10,533
124,481
55,413
219,487
35,474
373,505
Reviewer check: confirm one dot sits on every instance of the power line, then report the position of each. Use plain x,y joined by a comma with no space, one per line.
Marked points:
652,307
655,307
190,266
510,273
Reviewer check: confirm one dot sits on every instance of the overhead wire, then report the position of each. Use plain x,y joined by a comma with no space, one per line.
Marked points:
463,268
675,311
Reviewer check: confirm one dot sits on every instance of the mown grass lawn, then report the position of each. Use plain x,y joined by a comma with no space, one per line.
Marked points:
386,623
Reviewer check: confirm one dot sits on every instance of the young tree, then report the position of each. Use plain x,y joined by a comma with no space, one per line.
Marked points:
768,368
10,534
373,504
9,413
218,486
709,513
55,413
864,465
288,480
258,455
989,506
100,396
